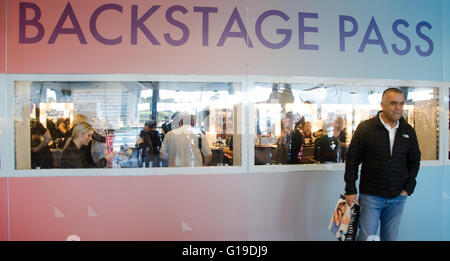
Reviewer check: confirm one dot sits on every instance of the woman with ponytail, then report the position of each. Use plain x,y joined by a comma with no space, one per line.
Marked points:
72,157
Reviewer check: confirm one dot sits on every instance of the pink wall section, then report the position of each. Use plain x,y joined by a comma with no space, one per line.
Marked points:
178,207
2,36
3,210
143,56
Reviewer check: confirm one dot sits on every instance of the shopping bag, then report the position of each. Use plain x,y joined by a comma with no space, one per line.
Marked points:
344,221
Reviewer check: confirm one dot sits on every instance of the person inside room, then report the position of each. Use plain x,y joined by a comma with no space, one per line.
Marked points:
296,142
51,127
40,150
283,144
149,144
185,145
85,149
326,146
73,156
339,132
307,134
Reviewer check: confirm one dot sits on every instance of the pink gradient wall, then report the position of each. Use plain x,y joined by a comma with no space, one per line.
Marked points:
2,36
3,195
199,207
143,56
3,210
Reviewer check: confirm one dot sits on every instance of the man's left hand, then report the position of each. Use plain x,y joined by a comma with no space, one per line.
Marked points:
404,193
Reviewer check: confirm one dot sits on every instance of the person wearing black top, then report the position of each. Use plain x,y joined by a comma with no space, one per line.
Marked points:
339,132
296,142
149,144
40,151
61,128
387,148
51,127
326,146
72,155
86,150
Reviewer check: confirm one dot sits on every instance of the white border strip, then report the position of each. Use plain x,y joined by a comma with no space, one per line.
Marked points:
7,114
3,123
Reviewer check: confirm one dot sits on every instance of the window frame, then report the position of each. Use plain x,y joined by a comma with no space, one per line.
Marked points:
443,135
13,172
7,151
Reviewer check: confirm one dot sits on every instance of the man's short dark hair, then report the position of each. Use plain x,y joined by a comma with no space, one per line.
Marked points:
392,89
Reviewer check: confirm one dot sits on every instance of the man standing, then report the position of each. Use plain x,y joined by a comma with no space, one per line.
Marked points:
185,146
387,147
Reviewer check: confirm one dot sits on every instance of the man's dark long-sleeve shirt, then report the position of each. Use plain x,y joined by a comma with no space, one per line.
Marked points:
382,174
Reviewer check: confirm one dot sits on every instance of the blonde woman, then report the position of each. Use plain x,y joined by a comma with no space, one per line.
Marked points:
85,149
72,155
76,119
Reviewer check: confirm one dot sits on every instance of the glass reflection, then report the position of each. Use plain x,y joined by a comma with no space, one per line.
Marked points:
129,121
322,118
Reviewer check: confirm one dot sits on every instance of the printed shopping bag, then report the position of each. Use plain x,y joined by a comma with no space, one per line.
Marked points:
344,221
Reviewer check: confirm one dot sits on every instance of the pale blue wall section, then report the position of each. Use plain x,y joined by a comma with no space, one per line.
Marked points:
343,54
298,205
446,171
293,205
446,205
422,217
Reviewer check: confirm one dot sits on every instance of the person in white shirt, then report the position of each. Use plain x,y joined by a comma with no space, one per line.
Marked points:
181,146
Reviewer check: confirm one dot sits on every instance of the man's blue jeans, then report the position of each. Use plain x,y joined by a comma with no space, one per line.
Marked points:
384,211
